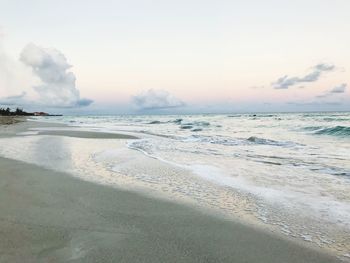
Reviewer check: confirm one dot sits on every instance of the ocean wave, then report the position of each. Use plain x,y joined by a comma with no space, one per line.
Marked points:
258,140
342,131
262,141
194,126
314,115
198,123
262,115
312,128
227,141
176,121
213,140
156,122
186,127
328,119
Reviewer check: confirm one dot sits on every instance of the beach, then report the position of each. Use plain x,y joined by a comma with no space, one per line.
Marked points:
52,216
175,131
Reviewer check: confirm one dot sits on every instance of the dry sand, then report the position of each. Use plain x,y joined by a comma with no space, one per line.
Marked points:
5,120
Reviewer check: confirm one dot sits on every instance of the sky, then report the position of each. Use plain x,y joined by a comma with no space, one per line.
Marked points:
179,56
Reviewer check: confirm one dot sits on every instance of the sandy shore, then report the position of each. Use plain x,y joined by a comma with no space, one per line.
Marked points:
4,120
48,216
10,126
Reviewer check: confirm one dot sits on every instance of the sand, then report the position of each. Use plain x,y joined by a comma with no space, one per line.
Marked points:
48,216
5,120
88,134
21,125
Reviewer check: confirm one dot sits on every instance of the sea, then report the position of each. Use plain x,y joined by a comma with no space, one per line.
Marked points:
288,172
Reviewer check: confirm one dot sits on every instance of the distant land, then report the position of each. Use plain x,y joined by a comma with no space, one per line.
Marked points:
21,112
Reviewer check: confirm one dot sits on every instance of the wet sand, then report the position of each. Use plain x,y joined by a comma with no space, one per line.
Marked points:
88,134
48,216
21,125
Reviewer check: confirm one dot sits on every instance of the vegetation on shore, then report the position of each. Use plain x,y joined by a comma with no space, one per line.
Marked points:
21,112
16,112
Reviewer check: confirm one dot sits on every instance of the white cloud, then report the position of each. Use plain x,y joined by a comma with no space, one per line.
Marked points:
156,99
40,79
14,76
285,82
57,87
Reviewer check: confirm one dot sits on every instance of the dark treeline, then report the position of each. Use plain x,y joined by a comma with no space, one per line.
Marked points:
16,112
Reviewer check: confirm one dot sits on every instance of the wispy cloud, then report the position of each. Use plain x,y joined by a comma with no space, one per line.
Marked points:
339,89
317,71
155,99
315,103
336,90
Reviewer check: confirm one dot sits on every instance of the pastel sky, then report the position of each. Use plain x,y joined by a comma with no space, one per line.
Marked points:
134,56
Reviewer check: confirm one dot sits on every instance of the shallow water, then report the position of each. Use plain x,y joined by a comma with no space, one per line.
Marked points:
288,171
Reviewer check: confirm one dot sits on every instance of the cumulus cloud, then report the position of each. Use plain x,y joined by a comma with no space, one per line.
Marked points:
57,88
285,82
14,76
156,99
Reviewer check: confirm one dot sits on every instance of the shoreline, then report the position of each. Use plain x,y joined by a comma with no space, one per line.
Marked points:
12,126
173,226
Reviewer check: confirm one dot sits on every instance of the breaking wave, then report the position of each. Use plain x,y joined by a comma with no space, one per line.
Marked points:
342,131
257,140
336,131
